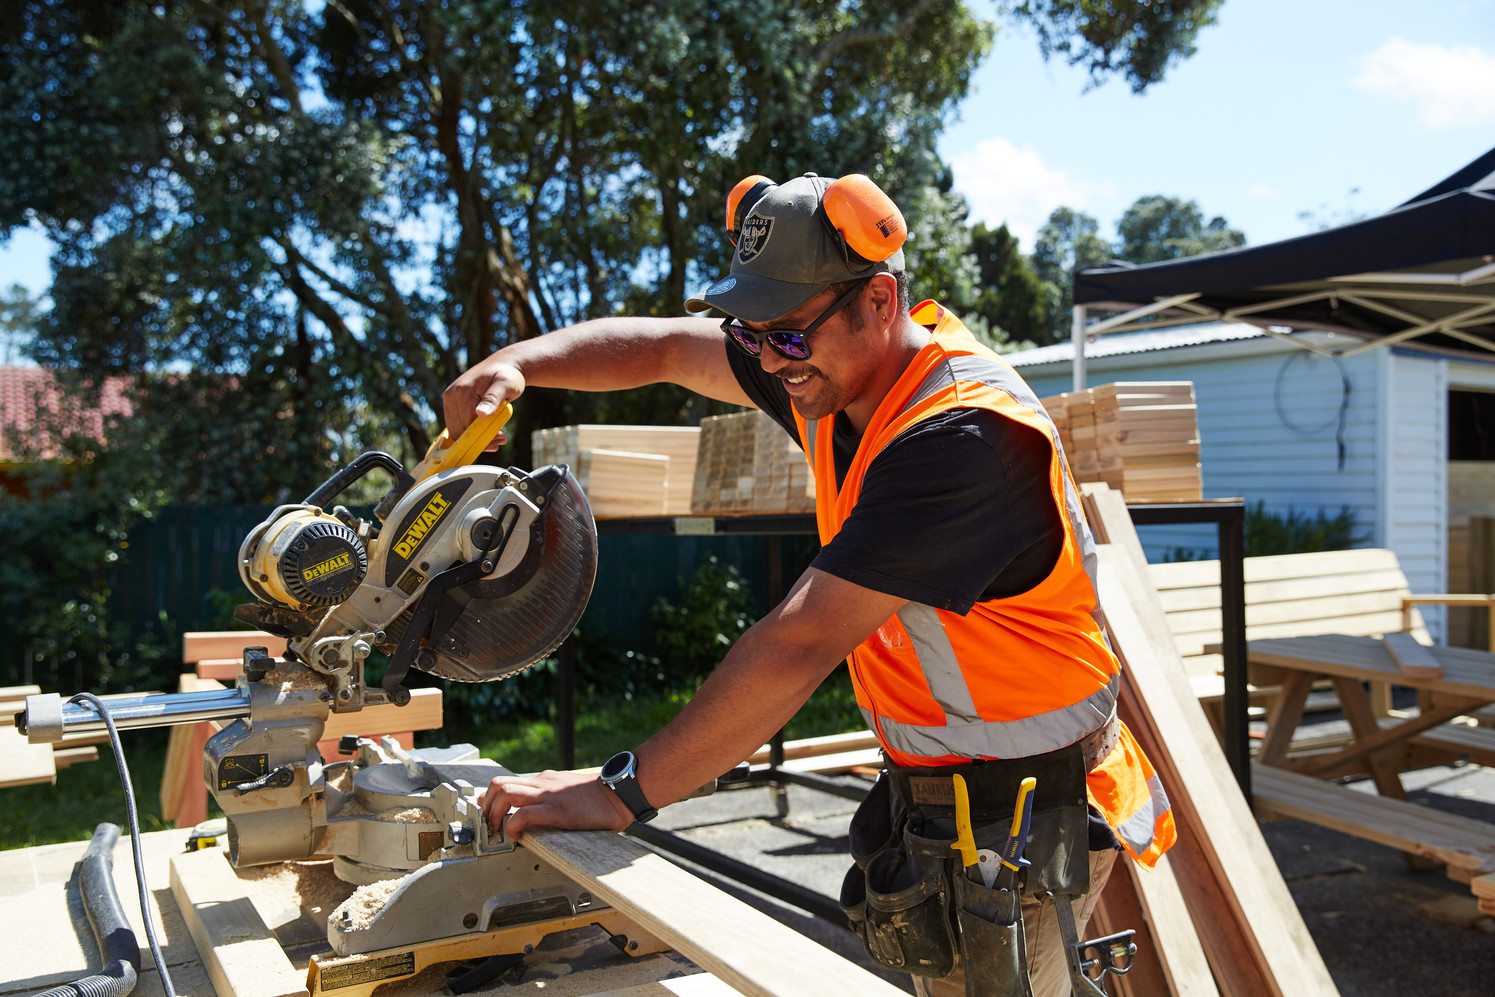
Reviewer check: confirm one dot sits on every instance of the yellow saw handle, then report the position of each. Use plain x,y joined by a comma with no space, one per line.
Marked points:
445,454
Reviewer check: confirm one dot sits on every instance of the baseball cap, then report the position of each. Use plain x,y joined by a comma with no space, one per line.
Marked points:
788,251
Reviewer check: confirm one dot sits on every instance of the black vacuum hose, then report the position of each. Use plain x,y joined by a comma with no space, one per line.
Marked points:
117,945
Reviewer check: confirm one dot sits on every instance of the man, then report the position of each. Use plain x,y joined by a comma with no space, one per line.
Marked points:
952,578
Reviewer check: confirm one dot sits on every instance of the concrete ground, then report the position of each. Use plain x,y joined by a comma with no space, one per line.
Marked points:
1382,928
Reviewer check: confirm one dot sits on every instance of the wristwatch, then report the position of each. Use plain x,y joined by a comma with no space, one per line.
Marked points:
620,774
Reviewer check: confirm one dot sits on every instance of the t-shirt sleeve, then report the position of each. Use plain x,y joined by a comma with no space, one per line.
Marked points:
956,510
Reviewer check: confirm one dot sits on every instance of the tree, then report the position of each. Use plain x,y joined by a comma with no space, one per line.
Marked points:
1138,39
1067,242
1168,228
1014,300
18,317
335,210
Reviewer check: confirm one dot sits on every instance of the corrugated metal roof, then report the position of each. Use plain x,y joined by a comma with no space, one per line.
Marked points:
1143,341
29,398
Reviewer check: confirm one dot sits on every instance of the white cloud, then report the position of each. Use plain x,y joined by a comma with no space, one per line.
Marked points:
1451,85
1003,183
1265,191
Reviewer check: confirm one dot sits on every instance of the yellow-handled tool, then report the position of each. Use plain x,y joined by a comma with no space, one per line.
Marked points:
1022,815
965,838
444,454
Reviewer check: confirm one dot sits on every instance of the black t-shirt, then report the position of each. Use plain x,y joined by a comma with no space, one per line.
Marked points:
955,510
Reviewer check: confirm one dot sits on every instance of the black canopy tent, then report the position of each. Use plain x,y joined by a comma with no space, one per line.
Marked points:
1425,269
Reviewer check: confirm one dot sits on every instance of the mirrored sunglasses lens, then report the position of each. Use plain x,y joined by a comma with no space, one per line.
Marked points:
744,339
791,344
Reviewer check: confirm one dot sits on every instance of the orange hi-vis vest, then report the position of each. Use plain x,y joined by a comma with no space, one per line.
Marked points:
1018,676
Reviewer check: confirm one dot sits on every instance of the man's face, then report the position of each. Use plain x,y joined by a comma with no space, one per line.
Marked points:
841,361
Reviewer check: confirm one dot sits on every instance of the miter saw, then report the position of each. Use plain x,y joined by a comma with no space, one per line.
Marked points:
469,572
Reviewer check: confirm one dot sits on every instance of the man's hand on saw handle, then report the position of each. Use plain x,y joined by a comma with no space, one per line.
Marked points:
479,391
574,800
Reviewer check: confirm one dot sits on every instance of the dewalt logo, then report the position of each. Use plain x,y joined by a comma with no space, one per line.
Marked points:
327,567
418,530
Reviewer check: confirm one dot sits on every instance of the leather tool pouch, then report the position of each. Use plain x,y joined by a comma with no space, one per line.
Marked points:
909,899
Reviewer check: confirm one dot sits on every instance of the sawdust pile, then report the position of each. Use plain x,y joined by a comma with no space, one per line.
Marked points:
408,815
294,679
367,901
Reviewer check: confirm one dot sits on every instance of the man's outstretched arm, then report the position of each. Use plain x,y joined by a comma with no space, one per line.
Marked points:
601,355
762,682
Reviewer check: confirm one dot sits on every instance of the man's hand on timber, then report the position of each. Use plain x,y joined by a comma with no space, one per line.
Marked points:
577,801
479,391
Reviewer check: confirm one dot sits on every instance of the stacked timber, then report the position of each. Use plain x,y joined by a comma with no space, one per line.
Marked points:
1138,437
625,470
748,464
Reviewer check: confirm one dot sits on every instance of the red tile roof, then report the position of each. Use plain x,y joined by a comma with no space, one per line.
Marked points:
26,393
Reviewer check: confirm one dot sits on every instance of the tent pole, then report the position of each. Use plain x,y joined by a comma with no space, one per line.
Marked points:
1077,337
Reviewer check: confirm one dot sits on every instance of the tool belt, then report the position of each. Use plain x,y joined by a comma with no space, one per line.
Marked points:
909,898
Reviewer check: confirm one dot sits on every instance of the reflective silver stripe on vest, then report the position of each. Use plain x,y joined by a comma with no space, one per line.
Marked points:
1137,830
976,738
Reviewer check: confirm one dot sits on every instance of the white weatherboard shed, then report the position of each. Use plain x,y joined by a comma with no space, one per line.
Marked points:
1296,429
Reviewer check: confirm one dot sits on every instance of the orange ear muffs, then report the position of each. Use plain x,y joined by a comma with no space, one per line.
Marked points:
867,219
741,200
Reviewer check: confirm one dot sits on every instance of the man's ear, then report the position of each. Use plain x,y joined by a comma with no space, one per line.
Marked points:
882,296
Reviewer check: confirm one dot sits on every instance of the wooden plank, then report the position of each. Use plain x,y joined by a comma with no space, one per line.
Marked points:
423,712
826,744
741,946
1203,790
23,763
200,644
1454,840
241,955
1413,658
1175,939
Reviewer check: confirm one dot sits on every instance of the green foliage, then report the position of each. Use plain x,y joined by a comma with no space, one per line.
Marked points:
1290,532
1166,228
715,609
18,316
1014,301
1152,228
67,526
88,794
1069,241
1295,531
1138,39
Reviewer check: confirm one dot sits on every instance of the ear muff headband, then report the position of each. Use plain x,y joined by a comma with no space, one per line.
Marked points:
741,200
867,219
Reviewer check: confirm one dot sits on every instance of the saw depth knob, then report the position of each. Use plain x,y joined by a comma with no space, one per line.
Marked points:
324,564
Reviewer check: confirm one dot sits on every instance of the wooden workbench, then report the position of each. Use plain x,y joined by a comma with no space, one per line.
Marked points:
48,941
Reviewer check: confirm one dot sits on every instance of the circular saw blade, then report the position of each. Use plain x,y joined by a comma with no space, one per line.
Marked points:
498,627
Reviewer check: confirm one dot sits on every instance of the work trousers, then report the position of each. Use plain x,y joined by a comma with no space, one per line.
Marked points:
1047,965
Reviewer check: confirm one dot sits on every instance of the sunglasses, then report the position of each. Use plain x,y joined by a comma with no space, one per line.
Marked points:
788,343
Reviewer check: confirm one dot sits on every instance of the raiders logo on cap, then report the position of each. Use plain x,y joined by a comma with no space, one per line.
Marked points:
753,238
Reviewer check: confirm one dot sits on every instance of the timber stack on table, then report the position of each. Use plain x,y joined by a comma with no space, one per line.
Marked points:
1138,437
1217,915
748,464
625,470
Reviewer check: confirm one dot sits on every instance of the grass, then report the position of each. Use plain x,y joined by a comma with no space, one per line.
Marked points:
89,793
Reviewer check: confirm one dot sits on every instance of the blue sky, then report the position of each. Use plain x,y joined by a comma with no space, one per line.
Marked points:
1324,106
1288,106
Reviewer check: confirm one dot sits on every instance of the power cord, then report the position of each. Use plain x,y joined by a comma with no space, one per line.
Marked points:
124,778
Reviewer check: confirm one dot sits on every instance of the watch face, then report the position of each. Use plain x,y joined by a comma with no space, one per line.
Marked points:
617,766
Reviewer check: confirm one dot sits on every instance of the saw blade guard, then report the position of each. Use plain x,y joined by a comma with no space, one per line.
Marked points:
498,626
